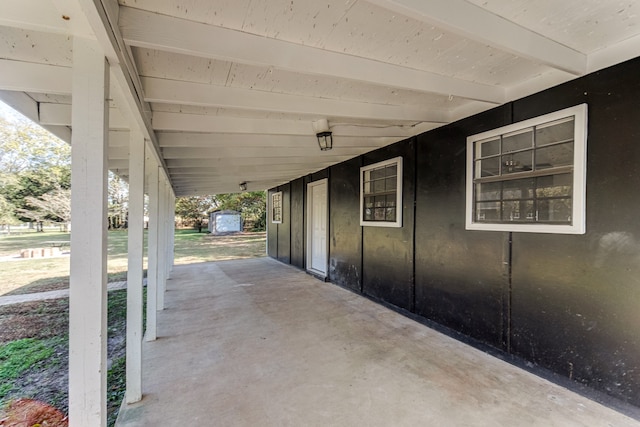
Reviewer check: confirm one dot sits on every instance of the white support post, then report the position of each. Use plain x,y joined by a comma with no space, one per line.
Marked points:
162,242
172,230
88,279
135,266
167,232
152,251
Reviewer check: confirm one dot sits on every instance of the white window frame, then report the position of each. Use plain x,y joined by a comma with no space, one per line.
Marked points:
578,214
398,222
273,195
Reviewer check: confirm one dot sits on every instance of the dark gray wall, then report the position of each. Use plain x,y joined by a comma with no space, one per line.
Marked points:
564,303
387,253
284,229
298,223
272,229
345,240
461,276
576,299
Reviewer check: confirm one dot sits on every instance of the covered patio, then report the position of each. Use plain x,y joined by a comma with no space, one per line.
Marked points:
189,97
255,342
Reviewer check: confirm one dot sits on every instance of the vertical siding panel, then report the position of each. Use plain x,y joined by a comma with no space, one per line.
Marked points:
345,262
387,255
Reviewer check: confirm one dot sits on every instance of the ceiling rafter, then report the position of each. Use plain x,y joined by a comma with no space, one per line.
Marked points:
476,23
231,140
178,122
60,115
200,94
265,152
150,30
31,77
214,162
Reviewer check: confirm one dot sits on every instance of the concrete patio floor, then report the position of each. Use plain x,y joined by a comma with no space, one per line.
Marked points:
258,343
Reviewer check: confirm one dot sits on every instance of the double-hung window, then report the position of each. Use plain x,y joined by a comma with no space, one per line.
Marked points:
529,176
276,207
381,194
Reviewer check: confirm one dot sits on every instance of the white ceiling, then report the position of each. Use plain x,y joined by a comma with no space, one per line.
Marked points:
227,90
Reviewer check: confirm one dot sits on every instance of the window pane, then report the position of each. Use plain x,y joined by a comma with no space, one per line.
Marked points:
391,170
391,200
377,173
368,214
391,214
554,155
378,214
489,167
489,147
554,186
368,202
378,186
555,210
390,184
518,189
517,162
379,201
549,133
521,211
488,211
488,191
517,141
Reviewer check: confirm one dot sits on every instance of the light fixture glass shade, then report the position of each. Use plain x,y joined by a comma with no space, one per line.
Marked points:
325,140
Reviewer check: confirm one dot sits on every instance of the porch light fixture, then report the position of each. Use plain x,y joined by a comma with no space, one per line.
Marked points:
243,186
325,138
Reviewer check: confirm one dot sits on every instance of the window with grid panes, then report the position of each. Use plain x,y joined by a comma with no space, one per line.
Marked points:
276,207
529,176
381,194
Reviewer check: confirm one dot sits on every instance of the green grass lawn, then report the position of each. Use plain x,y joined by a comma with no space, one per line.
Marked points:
43,274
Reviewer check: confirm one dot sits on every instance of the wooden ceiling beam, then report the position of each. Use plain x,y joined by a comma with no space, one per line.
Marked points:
154,31
478,24
199,94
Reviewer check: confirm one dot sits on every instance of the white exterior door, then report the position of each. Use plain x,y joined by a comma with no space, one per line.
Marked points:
317,227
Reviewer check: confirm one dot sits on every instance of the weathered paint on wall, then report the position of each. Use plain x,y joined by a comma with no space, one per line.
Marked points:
564,303
461,276
345,245
272,229
297,223
387,253
284,229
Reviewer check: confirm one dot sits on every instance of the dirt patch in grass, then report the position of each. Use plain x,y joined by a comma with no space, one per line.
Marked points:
38,319
39,325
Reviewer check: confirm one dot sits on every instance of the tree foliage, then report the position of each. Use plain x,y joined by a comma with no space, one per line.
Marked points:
25,146
53,206
195,210
251,205
33,163
117,201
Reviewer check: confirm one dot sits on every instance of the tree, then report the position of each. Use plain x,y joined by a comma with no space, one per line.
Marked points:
251,205
52,206
195,209
33,163
7,214
118,201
